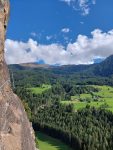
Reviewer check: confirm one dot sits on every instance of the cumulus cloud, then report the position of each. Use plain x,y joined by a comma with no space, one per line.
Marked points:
81,5
83,51
65,30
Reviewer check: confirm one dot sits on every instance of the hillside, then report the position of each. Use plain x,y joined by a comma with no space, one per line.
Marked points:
102,69
71,103
35,74
105,68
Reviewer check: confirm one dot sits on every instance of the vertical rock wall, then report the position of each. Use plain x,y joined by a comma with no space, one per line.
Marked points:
16,132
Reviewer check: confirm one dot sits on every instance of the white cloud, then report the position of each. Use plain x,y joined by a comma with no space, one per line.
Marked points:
83,51
81,5
33,34
49,37
65,30
36,35
68,1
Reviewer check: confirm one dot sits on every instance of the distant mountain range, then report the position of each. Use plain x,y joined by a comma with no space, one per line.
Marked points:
104,68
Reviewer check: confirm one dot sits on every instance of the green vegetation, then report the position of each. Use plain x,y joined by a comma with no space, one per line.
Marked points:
97,74
41,89
103,98
81,130
48,143
78,106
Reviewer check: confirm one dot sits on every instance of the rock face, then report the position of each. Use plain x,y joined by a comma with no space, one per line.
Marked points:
16,132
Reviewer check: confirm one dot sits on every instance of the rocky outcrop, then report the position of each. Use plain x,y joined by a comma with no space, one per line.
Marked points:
16,132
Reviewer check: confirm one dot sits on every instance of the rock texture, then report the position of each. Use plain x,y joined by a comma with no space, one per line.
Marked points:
16,132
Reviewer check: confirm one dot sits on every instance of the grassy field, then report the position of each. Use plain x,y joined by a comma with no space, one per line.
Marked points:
48,143
39,90
104,97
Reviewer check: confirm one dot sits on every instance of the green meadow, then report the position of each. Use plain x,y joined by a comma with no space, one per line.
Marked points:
40,90
103,98
48,143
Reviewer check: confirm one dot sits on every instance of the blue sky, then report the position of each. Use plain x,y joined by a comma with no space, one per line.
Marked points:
68,28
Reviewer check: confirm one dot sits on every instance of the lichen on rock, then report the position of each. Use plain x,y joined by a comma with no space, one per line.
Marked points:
16,131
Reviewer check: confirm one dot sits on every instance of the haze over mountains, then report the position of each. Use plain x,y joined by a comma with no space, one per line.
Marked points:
104,68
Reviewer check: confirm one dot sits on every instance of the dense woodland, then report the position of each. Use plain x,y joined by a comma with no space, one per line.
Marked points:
86,129
98,74
89,128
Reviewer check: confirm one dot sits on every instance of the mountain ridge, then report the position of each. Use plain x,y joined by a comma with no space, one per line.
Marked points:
103,68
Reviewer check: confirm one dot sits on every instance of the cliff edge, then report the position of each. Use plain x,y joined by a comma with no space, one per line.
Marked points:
16,132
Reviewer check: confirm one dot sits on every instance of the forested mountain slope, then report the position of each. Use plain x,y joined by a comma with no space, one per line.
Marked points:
104,68
36,74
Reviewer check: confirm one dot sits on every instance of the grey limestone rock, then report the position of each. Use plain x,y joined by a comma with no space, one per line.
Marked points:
16,131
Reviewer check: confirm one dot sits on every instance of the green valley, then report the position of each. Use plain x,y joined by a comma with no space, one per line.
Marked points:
103,99
56,75
48,143
72,103
41,89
